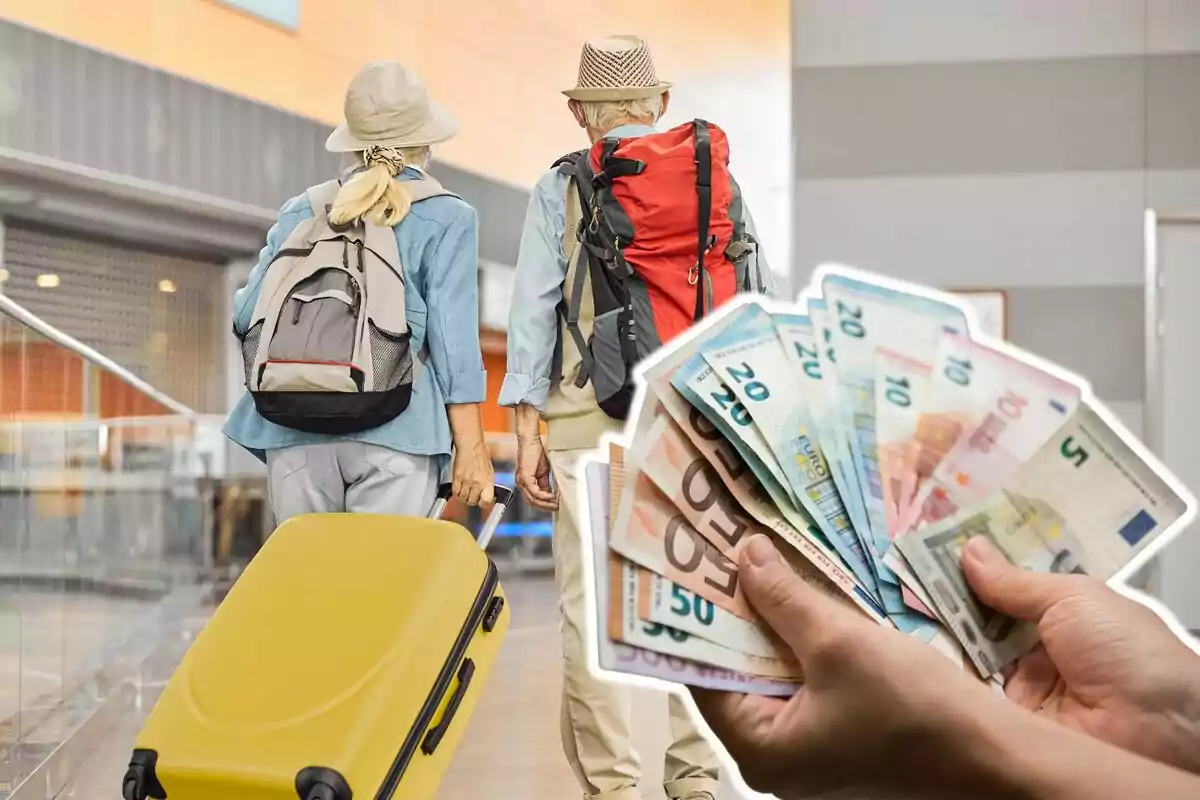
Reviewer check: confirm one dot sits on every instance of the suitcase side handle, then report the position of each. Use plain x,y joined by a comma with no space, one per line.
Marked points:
504,496
432,739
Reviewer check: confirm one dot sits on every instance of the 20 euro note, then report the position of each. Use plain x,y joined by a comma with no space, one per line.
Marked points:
702,387
620,657
967,377
752,363
823,391
1084,502
690,426
803,342
1031,405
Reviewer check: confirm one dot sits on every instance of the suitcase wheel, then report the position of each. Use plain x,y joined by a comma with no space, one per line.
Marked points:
140,781
321,783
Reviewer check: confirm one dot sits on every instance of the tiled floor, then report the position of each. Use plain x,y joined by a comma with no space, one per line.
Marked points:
511,749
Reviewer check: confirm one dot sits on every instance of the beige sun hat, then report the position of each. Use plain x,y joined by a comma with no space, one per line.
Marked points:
616,68
387,105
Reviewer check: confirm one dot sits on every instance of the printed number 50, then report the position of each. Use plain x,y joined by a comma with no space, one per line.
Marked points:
685,604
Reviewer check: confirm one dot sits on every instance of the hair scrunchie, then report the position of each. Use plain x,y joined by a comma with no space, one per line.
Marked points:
389,157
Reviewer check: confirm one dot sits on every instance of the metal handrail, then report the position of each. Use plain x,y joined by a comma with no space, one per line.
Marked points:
32,321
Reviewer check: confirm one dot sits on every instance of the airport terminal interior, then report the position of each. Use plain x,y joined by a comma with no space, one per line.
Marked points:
1042,160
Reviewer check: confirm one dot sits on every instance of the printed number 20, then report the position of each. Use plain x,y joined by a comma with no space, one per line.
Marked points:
850,321
756,390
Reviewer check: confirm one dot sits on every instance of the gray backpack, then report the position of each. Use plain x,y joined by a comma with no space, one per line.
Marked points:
328,348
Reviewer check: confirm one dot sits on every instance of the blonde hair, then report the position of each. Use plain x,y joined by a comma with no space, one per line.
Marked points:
604,115
374,193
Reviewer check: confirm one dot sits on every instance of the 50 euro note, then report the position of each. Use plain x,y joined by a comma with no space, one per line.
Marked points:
669,605
1016,421
625,625
1084,502
617,656
687,434
693,488
752,364
650,531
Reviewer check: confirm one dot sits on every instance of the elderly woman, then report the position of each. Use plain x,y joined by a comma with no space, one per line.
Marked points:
393,467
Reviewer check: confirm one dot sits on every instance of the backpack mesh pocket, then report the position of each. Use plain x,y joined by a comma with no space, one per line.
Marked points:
250,350
391,358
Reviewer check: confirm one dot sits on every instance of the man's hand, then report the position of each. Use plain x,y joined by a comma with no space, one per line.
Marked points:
879,712
533,468
1107,666
533,475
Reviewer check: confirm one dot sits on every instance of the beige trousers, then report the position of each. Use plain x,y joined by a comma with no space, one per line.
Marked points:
595,714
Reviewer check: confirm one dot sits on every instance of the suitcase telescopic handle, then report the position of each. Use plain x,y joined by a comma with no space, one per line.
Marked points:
504,496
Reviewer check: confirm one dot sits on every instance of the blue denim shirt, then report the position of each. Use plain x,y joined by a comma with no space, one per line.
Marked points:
537,287
439,253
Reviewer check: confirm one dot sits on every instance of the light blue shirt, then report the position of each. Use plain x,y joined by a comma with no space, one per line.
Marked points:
541,270
438,243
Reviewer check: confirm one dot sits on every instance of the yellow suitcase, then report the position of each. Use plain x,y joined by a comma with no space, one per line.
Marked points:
343,665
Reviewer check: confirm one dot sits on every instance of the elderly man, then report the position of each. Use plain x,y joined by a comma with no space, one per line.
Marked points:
555,372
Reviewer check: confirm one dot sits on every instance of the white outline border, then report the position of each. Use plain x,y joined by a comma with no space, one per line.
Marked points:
813,290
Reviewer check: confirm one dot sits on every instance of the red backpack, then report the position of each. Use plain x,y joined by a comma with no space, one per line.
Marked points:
657,235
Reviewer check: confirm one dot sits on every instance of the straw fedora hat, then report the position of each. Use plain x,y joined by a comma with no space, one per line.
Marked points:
616,68
387,106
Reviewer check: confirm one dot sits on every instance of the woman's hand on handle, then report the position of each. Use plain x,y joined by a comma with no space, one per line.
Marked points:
473,476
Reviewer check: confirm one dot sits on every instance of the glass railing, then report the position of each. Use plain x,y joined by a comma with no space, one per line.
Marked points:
105,505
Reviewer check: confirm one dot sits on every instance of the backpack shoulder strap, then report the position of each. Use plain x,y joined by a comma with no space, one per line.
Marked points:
320,197
566,164
572,219
427,187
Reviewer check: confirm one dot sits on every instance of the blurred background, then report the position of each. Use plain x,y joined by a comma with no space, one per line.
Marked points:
1007,149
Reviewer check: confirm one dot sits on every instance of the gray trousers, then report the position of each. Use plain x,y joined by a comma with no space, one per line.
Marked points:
349,476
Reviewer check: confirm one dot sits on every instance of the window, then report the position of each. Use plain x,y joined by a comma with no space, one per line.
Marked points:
281,12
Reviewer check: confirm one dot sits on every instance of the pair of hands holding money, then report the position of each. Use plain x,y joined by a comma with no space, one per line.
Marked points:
881,712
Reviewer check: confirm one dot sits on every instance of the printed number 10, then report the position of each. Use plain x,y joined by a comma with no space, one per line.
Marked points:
897,392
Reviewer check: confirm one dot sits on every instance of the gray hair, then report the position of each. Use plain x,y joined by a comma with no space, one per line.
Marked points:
604,115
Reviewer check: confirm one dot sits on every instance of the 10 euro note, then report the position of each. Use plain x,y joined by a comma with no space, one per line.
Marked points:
967,378
864,317
1085,502
620,657
902,387
1016,422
